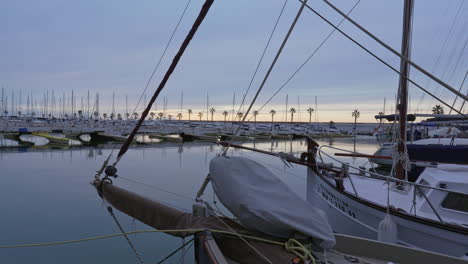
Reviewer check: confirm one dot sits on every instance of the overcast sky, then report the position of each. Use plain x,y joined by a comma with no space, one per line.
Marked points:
112,47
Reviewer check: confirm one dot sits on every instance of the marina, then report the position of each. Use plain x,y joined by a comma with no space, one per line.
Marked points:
236,170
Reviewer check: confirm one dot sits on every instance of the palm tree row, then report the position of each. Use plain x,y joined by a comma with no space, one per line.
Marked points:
179,116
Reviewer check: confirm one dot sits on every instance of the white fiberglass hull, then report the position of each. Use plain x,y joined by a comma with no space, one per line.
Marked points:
357,217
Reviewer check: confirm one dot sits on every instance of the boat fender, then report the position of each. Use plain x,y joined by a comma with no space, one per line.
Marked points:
387,231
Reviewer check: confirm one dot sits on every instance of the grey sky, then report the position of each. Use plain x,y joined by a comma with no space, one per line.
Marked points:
112,46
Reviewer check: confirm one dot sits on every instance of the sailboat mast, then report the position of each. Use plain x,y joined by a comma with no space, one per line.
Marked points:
403,86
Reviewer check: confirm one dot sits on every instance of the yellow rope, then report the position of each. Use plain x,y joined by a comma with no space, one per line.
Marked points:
296,247
99,237
292,245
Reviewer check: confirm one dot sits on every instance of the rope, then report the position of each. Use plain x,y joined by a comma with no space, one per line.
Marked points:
170,70
263,55
158,188
380,59
175,251
278,53
111,212
419,68
162,55
296,247
456,97
291,245
306,61
237,234
103,167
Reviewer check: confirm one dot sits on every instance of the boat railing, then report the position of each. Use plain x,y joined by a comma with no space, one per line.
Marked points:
363,172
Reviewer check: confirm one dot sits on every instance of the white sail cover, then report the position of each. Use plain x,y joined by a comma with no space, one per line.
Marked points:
262,202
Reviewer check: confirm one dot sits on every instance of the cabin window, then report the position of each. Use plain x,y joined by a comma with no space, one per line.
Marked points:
456,201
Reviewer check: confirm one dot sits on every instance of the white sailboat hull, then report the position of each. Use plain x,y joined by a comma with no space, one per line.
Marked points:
352,216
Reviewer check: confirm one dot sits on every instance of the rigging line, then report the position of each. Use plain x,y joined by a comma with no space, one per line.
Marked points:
263,55
111,212
285,40
239,235
175,251
462,52
449,36
203,12
461,86
163,54
158,188
142,232
416,66
307,60
463,104
451,70
378,58
460,56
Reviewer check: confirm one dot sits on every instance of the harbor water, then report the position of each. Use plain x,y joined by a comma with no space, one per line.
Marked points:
46,196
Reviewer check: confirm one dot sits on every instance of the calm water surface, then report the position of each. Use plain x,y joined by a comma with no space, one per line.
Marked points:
46,196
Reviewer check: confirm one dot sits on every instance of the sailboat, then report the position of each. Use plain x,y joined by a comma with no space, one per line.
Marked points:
273,224
423,206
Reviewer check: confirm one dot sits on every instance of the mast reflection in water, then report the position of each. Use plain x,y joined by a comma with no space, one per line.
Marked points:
46,194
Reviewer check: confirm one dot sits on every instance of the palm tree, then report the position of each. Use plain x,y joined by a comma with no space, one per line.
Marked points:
240,115
255,114
112,115
135,115
272,113
170,117
212,111
189,114
80,114
331,124
438,110
127,115
225,114
119,117
200,115
292,111
152,114
356,115
310,111
104,116
160,114
179,115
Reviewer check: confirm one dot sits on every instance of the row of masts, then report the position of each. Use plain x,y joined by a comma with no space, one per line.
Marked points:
49,104
53,105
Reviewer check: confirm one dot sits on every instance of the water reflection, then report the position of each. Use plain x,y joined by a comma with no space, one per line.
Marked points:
50,184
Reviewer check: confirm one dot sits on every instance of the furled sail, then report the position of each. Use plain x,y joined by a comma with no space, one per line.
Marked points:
262,202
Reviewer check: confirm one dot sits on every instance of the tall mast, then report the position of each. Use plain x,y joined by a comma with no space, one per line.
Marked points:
87,107
233,107
126,106
181,101
3,102
207,102
403,86
113,103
